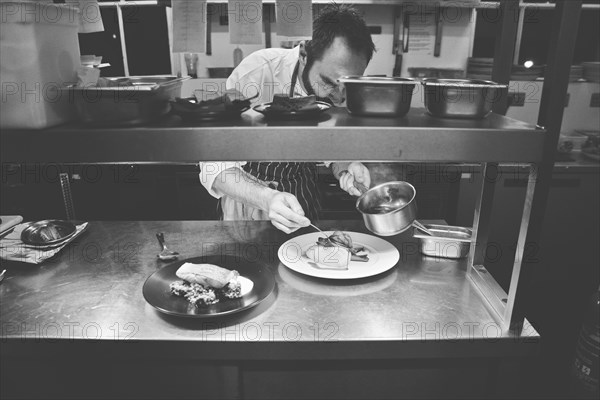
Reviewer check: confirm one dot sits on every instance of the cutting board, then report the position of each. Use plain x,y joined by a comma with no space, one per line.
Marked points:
8,221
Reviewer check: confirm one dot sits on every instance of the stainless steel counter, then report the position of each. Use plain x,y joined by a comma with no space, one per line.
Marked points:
91,293
337,135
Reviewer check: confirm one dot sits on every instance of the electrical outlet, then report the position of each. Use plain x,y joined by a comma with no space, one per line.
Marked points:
595,100
516,99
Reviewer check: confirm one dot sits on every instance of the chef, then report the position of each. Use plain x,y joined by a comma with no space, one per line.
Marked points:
286,192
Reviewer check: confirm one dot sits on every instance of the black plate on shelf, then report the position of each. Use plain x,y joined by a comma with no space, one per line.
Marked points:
265,109
191,111
157,293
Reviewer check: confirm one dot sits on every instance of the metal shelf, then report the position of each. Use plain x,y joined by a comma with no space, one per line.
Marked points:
337,136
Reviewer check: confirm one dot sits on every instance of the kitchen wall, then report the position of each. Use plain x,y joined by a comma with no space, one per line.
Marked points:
456,43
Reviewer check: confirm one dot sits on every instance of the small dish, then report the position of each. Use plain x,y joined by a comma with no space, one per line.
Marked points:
192,111
265,109
47,232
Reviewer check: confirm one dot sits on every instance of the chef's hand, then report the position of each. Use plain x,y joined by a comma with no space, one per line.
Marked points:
285,213
356,172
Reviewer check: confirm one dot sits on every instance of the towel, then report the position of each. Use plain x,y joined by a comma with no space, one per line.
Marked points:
13,249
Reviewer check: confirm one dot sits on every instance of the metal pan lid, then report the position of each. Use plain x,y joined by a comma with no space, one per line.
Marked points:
469,83
385,80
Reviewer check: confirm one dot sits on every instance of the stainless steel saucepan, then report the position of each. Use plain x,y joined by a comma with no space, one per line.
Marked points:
389,208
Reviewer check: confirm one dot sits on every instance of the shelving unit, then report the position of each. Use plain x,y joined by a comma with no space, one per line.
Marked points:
339,136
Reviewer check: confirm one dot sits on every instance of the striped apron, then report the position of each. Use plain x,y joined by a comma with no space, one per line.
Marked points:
297,178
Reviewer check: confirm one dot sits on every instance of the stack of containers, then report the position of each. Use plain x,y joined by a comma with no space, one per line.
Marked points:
39,44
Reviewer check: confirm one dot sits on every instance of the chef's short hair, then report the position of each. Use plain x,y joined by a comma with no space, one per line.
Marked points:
340,20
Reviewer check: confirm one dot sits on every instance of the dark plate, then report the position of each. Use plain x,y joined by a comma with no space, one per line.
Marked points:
195,113
200,116
157,293
32,235
265,109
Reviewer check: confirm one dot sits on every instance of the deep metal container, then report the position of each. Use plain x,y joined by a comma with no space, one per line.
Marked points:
378,96
446,242
127,101
389,208
461,98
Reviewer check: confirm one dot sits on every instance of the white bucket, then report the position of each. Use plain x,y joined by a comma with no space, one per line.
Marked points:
39,54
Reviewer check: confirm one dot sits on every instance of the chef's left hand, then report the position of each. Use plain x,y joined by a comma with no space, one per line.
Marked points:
356,172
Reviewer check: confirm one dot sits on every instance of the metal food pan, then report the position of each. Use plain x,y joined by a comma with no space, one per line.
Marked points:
461,98
126,101
378,96
447,242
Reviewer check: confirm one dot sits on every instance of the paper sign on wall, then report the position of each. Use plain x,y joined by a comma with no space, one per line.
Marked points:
90,19
245,21
294,18
189,26
422,33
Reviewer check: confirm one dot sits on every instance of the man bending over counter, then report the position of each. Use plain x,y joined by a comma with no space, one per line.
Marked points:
286,192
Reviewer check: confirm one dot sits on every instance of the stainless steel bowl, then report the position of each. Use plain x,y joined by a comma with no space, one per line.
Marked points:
127,101
378,96
446,242
47,232
389,208
461,98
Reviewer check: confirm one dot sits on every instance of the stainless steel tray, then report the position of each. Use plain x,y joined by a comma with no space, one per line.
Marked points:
127,101
447,242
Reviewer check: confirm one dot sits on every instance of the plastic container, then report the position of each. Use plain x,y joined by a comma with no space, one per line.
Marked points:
39,44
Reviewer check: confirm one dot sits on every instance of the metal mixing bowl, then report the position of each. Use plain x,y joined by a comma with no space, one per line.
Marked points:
378,96
389,208
461,98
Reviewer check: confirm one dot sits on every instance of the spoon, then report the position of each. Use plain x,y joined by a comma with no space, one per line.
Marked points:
422,228
314,226
165,254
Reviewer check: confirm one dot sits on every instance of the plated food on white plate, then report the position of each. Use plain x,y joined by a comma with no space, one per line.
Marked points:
345,255
336,251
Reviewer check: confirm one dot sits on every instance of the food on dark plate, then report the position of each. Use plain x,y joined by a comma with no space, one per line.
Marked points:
205,284
284,103
214,101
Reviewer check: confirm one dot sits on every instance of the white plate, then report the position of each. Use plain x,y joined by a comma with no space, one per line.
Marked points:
382,257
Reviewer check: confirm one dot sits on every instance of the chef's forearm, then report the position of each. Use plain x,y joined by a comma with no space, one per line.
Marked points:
337,167
240,185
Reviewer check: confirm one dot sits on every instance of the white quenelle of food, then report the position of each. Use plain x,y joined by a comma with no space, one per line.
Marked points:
330,256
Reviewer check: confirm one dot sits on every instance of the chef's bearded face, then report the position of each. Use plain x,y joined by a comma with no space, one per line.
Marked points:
319,76
341,45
